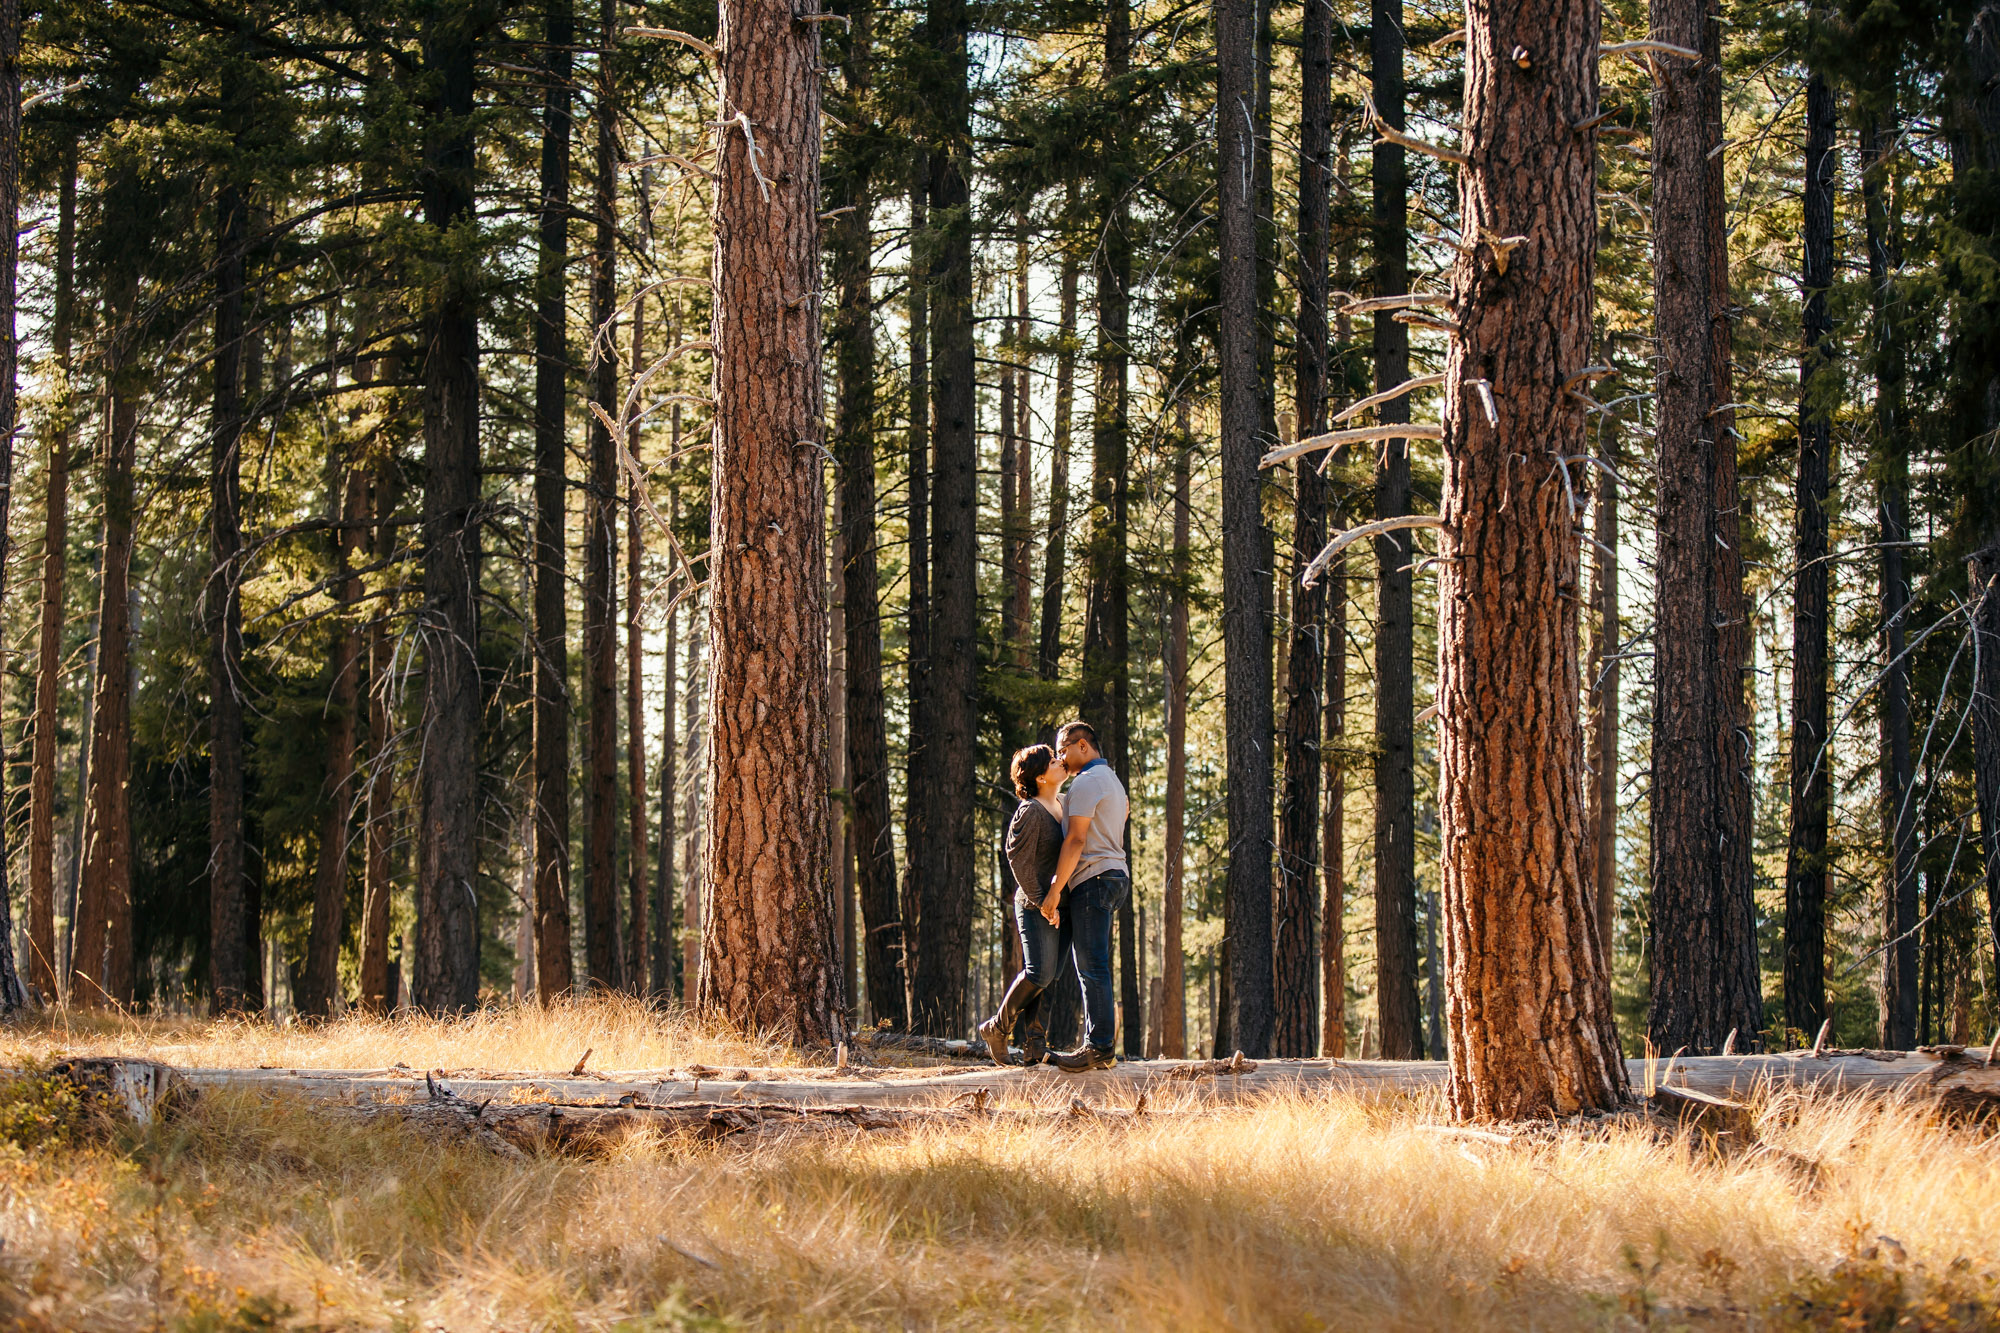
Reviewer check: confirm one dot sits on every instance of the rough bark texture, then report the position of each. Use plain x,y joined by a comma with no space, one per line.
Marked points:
13,995
1054,553
1705,977
230,960
938,911
1892,498
43,965
1398,1018
1173,1017
1246,630
1806,870
1529,1006
1295,946
445,972
319,987
861,591
768,957
603,963
553,967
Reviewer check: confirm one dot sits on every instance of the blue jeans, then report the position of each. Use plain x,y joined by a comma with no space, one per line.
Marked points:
1042,945
1087,913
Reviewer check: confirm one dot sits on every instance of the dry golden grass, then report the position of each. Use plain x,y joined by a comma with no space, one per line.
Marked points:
1307,1213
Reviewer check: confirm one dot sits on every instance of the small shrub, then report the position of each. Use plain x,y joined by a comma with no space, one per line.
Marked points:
40,1109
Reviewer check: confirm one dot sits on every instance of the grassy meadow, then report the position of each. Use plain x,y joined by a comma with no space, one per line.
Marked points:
253,1212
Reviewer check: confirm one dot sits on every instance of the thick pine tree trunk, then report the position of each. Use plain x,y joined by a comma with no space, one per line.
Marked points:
13,995
939,915
1295,948
1055,552
554,975
861,590
1398,1018
230,959
769,962
101,961
445,972
1529,1003
1246,631
1892,473
1173,1019
1812,762
319,988
1705,974
44,966
602,958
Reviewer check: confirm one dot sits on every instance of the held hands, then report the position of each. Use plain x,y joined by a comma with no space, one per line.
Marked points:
1051,911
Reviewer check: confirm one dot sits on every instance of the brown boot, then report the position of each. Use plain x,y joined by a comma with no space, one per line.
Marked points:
1085,1058
996,1030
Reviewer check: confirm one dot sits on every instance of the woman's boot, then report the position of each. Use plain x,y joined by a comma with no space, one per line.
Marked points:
997,1029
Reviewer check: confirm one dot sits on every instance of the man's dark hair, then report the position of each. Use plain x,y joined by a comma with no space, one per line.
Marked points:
1028,766
1077,731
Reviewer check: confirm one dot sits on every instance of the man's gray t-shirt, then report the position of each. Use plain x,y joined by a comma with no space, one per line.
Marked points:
1098,794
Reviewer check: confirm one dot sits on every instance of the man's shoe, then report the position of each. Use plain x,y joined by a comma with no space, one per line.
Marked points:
1084,1058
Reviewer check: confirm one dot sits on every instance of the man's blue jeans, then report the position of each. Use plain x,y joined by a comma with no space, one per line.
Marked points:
1087,912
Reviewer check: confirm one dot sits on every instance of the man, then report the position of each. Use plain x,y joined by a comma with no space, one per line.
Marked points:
1093,881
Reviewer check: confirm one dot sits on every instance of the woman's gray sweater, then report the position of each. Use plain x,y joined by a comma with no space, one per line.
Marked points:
1034,842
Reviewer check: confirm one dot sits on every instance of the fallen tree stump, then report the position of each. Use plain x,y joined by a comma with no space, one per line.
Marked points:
138,1091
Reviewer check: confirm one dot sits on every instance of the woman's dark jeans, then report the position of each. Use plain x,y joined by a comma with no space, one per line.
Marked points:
1042,945
1087,913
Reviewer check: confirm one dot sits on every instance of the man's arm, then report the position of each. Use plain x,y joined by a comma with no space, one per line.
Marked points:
1072,852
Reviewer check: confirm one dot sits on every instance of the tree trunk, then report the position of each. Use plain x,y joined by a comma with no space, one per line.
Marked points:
1021,570
939,912
1531,1026
1054,554
1812,761
919,781
691,816
44,964
1106,702
1246,633
638,948
230,958
378,993
1333,825
1705,976
861,589
1602,743
101,966
665,955
445,975
768,959
602,958
1173,891
13,995
1295,948
320,987
554,974
1985,579
1892,474
1398,1018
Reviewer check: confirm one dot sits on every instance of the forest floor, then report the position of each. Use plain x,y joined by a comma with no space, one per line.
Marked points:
251,1210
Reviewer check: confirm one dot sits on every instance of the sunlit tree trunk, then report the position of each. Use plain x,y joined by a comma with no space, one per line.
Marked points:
1173,1022
768,958
1529,1005
13,995
1055,551
378,812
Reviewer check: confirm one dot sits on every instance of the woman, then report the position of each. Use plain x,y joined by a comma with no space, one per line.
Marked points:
1034,840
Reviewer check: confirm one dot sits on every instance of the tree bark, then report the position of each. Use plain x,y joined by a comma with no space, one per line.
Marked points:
1295,948
691,816
1246,632
1705,973
319,989
377,992
1333,826
13,995
939,911
768,957
44,965
1812,761
554,970
231,955
861,591
445,974
666,956
602,955
1020,569
920,814
102,962
1054,552
1529,1003
1398,1017
1173,1019
638,946
1892,474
